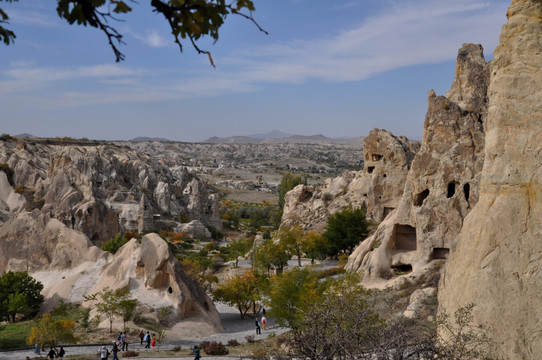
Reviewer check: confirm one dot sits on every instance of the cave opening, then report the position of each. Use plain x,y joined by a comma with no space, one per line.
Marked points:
451,190
402,269
421,197
466,190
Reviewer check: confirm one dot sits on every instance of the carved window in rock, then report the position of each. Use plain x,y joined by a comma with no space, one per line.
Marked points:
466,191
404,238
376,157
440,253
402,269
170,290
387,211
421,197
451,189
370,169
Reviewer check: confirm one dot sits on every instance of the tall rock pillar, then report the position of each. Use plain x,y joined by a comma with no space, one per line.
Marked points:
497,263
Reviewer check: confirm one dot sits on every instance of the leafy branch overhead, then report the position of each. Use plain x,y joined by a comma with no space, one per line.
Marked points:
188,19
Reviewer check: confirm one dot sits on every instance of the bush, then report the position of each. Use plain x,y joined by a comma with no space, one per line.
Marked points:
250,338
130,353
233,342
114,244
214,348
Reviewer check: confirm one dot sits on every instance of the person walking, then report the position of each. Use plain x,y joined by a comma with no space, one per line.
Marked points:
37,349
196,352
104,353
61,353
258,329
115,350
52,353
123,342
264,322
147,338
153,341
141,336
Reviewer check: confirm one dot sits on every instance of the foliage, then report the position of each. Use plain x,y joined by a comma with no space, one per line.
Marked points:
20,294
50,332
242,291
187,19
237,248
214,348
233,342
114,244
314,245
4,136
287,183
346,229
238,215
291,294
15,335
271,253
114,303
197,271
215,233
291,237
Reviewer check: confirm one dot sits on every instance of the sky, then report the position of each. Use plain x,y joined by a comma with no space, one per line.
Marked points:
339,68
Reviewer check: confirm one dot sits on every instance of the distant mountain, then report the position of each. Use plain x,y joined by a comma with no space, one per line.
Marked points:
293,139
274,134
25,136
144,138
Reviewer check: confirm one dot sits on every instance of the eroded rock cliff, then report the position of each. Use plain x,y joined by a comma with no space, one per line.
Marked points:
497,262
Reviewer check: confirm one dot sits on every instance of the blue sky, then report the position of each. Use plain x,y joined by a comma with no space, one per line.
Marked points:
337,68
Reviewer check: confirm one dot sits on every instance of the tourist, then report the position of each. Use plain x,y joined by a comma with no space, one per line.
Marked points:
123,342
141,336
61,353
52,353
153,340
147,338
115,350
37,349
257,323
196,352
264,322
104,353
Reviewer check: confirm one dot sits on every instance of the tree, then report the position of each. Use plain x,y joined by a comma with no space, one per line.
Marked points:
291,294
346,229
242,291
271,253
238,248
187,19
20,294
292,239
114,303
51,332
314,245
287,183
114,244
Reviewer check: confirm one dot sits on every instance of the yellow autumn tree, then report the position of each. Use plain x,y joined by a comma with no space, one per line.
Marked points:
51,332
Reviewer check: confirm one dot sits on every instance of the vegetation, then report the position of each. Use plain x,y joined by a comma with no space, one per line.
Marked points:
20,295
345,230
252,217
114,303
188,19
51,332
114,244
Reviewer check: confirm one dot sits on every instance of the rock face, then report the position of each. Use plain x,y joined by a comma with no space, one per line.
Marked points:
69,266
377,188
102,189
442,184
497,262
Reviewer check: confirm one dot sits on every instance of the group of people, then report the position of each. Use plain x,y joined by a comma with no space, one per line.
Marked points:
150,342
260,325
53,352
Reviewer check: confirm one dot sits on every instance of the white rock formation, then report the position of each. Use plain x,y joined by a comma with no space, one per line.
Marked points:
497,263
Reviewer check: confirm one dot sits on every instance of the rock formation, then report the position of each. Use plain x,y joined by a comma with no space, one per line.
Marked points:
102,189
70,266
377,188
497,262
442,184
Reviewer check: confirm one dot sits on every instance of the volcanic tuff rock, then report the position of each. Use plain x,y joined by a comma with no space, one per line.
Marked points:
442,184
377,188
102,189
497,263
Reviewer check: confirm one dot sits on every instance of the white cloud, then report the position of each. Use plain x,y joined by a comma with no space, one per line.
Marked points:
33,18
152,38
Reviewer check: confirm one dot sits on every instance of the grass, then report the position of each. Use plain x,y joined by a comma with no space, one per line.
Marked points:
14,335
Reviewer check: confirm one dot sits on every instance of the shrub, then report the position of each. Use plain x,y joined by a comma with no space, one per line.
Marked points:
250,338
177,348
214,348
114,244
233,342
130,353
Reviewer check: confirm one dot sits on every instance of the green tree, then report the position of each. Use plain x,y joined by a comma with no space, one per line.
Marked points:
113,303
238,248
242,291
20,294
188,19
346,229
271,253
292,239
114,244
314,245
291,294
287,183
50,332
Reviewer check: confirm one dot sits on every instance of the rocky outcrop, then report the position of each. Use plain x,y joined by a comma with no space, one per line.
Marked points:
70,266
497,262
442,184
377,188
104,189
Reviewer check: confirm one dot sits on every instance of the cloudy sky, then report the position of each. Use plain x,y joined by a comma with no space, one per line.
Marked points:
338,68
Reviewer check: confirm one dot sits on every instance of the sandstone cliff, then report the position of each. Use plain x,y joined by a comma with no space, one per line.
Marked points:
497,261
377,188
441,186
